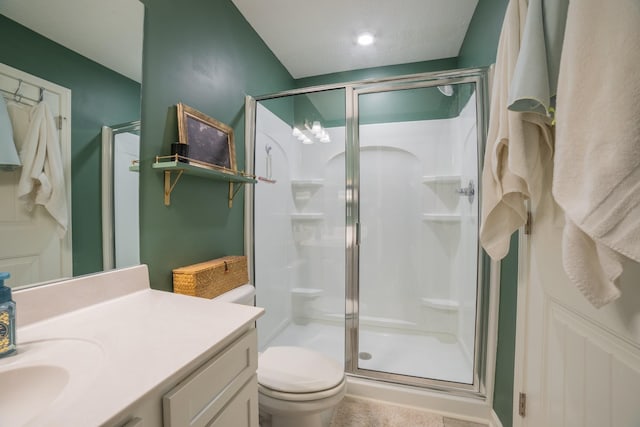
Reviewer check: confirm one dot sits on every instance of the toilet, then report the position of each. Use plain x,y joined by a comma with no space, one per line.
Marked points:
296,386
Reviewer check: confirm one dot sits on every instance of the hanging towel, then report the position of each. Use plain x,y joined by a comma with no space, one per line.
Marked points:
519,147
9,159
42,178
535,79
597,163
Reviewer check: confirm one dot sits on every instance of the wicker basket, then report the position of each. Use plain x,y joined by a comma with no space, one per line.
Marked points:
211,278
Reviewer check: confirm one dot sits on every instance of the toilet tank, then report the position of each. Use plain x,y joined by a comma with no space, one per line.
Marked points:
241,295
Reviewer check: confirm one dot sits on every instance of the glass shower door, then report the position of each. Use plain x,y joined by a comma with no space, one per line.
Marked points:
417,149
364,241
299,225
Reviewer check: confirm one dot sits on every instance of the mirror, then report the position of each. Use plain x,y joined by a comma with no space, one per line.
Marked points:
99,59
120,194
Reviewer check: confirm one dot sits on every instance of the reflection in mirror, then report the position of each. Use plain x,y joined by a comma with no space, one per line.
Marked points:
120,219
105,89
35,207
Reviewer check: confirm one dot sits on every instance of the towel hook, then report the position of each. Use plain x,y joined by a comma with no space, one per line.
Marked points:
41,97
16,95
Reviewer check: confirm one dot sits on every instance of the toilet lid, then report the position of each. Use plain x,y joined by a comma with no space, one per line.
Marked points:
298,370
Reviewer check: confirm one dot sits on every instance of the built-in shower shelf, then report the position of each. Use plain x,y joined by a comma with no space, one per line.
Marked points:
321,243
307,292
441,179
307,183
307,216
441,304
432,217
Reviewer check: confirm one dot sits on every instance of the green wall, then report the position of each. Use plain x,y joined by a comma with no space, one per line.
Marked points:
210,66
99,97
481,41
202,53
505,357
379,72
417,104
408,105
479,49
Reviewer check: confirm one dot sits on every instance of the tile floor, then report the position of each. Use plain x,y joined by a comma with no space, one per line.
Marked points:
357,412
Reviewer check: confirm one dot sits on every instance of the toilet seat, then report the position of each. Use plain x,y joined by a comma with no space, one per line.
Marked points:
297,371
302,397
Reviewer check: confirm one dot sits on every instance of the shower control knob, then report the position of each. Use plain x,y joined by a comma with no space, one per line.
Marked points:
468,191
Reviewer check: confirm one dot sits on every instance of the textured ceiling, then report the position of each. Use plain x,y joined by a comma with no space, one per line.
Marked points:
308,37
108,32
318,37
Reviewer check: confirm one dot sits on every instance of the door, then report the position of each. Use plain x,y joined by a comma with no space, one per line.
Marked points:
31,248
576,365
419,266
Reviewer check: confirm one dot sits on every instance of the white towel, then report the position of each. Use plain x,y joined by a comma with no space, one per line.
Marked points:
9,159
519,147
42,178
597,163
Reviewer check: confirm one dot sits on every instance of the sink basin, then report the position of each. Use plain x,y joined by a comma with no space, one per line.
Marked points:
43,372
27,389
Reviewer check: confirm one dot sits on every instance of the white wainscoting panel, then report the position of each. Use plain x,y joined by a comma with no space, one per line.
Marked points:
591,377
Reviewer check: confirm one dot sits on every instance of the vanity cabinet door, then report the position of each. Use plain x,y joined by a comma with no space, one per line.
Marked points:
242,411
200,398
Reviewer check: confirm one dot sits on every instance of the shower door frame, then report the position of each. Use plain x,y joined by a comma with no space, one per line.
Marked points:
486,279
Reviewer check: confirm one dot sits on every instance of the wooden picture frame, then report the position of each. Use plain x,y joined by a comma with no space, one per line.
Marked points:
210,141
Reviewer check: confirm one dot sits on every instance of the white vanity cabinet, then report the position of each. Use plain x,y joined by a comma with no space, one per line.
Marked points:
222,392
134,356
222,385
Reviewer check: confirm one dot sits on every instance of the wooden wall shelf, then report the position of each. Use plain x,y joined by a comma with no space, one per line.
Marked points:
179,168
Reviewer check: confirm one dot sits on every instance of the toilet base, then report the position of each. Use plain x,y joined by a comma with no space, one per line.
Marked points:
319,419
318,412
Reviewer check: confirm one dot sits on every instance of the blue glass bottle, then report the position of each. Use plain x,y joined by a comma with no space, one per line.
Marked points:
7,319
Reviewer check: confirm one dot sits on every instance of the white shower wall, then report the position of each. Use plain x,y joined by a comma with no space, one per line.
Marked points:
275,264
409,173
402,255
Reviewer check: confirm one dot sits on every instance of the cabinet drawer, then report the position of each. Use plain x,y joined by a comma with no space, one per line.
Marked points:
197,400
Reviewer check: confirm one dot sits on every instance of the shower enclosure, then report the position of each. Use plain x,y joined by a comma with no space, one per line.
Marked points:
120,189
363,227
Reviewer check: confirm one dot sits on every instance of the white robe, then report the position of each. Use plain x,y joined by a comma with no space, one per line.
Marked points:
42,178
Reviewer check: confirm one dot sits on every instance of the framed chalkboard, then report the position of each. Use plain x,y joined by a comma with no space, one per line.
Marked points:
210,141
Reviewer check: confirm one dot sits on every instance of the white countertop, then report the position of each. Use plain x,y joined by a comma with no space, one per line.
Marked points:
140,340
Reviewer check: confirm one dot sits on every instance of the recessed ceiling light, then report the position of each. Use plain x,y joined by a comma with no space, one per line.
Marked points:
365,39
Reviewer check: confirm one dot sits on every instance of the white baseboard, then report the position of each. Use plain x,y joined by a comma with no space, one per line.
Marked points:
470,409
